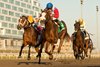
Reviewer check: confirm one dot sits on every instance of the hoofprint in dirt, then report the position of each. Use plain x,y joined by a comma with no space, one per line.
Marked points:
51,63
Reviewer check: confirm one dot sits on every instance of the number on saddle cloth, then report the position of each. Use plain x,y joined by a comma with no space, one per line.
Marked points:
61,26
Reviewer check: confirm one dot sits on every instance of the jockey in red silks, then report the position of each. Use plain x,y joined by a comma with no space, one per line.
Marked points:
55,15
54,12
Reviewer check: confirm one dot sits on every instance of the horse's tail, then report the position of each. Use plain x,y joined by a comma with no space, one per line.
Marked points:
67,40
67,37
93,48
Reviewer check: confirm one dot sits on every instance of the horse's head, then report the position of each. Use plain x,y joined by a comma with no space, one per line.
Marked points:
45,15
49,15
23,22
42,15
77,26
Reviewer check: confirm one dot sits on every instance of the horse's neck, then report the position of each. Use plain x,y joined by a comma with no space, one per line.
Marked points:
49,17
78,33
27,29
49,24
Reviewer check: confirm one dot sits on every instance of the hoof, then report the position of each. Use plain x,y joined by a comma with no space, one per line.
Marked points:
82,58
37,56
39,63
58,51
50,57
86,55
28,58
19,57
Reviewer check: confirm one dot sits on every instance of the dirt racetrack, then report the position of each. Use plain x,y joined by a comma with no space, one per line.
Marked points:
51,63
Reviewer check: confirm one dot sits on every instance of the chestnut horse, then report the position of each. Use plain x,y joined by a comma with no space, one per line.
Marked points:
63,35
29,35
50,32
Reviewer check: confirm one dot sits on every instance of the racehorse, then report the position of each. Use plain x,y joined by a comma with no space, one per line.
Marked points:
90,47
50,32
29,35
78,41
63,35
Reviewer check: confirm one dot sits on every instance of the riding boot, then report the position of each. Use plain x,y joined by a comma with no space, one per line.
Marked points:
39,39
35,26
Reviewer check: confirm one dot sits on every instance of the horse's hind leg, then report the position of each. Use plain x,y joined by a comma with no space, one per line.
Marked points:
29,53
60,45
86,49
20,53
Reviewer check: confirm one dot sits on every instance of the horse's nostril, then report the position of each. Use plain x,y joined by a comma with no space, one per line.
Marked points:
18,27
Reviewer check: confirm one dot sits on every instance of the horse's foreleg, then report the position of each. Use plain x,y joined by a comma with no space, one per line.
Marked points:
90,50
37,50
40,51
46,48
29,53
21,51
77,53
48,52
52,48
60,45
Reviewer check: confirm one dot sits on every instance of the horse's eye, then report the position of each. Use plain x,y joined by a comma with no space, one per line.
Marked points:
21,19
40,15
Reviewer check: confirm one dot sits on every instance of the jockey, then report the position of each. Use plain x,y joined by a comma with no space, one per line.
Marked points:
37,26
55,15
82,24
82,27
54,12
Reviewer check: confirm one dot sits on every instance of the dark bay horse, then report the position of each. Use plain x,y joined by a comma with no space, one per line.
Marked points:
29,35
78,42
63,35
90,46
50,33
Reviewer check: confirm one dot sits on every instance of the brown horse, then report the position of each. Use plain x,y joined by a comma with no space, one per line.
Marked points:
50,33
78,42
63,35
90,46
29,35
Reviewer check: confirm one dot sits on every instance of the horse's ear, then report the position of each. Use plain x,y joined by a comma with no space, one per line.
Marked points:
41,10
20,16
75,20
27,17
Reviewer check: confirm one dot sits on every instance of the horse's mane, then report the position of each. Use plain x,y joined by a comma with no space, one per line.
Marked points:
24,16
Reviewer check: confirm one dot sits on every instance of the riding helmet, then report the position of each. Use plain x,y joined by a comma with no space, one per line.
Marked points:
49,5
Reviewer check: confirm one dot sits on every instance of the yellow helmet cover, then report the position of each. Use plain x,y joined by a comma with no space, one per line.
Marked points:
30,19
81,21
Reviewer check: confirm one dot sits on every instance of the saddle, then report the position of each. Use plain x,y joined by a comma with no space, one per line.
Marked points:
60,25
